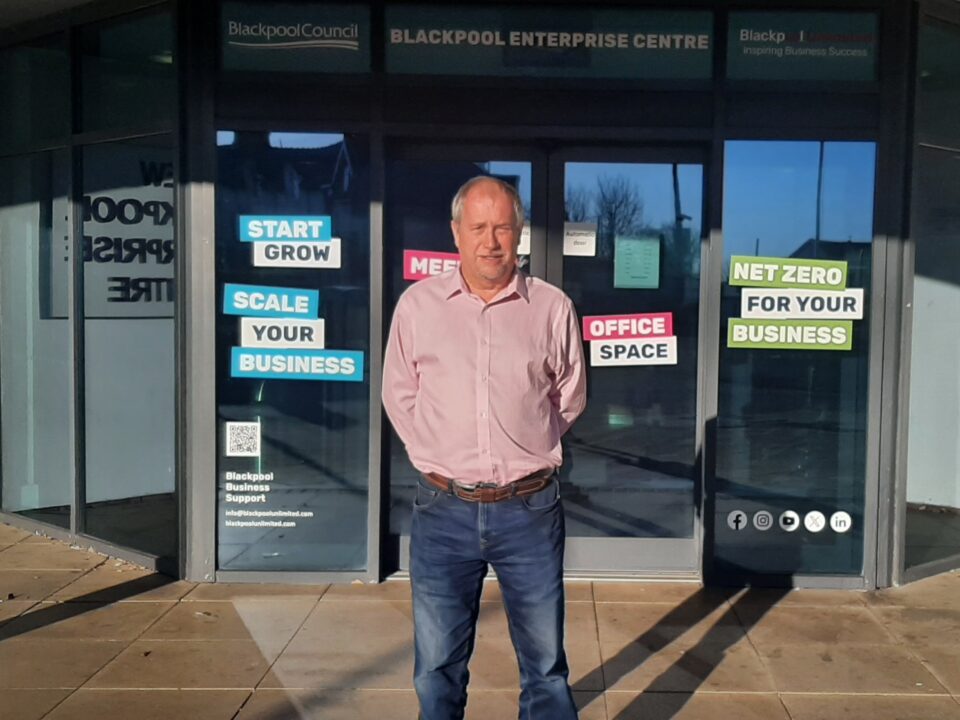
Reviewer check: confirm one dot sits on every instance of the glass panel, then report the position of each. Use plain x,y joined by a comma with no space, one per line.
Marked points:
632,246
35,83
933,459
938,83
418,219
293,415
129,378
36,358
127,73
791,429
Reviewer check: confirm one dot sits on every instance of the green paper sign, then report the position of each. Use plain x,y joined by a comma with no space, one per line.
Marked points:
790,334
802,46
569,42
788,273
636,262
281,37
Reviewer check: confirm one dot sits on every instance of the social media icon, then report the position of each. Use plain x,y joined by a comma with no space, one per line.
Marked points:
789,520
841,521
814,521
762,520
737,520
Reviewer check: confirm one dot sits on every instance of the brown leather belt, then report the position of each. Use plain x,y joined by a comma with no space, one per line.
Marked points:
490,493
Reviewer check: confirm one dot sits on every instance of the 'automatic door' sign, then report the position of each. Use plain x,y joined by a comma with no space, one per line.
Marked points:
793,304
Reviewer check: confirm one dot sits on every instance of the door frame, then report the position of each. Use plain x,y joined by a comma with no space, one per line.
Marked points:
674,557
546,261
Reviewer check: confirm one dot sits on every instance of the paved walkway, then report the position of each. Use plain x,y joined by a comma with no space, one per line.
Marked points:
83,636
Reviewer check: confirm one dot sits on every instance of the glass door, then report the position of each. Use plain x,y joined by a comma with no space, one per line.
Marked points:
421,180
624,244
620,233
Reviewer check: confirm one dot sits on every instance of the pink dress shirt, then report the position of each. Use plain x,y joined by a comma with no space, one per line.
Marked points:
482,392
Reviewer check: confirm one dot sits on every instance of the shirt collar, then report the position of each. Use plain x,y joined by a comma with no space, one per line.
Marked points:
455,285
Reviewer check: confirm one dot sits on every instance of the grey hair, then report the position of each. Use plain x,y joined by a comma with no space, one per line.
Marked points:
456,206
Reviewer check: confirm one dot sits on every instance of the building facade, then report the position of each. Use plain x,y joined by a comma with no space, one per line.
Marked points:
209,209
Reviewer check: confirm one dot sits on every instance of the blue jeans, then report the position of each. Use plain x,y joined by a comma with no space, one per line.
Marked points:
451,544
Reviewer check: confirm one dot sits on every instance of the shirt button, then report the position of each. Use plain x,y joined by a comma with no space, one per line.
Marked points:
483,377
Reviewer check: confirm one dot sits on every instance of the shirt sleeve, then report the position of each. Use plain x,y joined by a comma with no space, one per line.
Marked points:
400,379
569,394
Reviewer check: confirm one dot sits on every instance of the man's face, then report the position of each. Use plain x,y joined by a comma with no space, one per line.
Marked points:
487,237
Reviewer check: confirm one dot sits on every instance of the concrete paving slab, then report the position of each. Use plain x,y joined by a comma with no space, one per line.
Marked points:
138,645
10,609
811,624
709,666
944,662
85,704
921,626
48,556
330,705
89,621
118,581
173,664
10,535
874,707
231,591
34,663
349,645
699,706
34,584
855,668
29,704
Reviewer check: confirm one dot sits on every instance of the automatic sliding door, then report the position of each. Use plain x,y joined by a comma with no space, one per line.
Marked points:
627,251
421,182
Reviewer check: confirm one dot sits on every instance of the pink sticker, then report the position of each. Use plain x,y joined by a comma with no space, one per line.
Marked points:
420,264
605,327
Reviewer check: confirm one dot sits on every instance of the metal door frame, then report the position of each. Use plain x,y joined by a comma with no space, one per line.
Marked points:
546,261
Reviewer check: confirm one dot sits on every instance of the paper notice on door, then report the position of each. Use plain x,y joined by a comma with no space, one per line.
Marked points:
636,262
580,239
524,247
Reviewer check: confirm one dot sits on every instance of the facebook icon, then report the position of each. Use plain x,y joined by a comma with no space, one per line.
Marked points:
737,520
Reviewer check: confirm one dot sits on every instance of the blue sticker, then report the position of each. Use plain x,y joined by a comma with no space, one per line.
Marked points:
270,228
261,301
330,365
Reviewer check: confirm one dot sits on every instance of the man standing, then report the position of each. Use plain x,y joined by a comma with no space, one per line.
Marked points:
483,374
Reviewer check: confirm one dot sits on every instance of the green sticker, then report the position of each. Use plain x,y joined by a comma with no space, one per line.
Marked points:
636,262
788,273
790,334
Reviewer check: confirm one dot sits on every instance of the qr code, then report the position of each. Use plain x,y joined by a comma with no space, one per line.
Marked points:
243,439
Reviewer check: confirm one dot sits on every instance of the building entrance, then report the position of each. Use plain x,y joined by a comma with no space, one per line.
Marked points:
619,230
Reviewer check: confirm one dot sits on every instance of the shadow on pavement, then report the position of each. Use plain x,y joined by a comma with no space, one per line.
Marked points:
76,606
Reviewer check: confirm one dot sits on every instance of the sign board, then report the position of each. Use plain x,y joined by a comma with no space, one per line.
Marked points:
128,242
569,42
267,228
636,262
802,304
580,239
790,334
337,365
788,273
420,264
287,37
824,46
325,254
263,301
655,351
